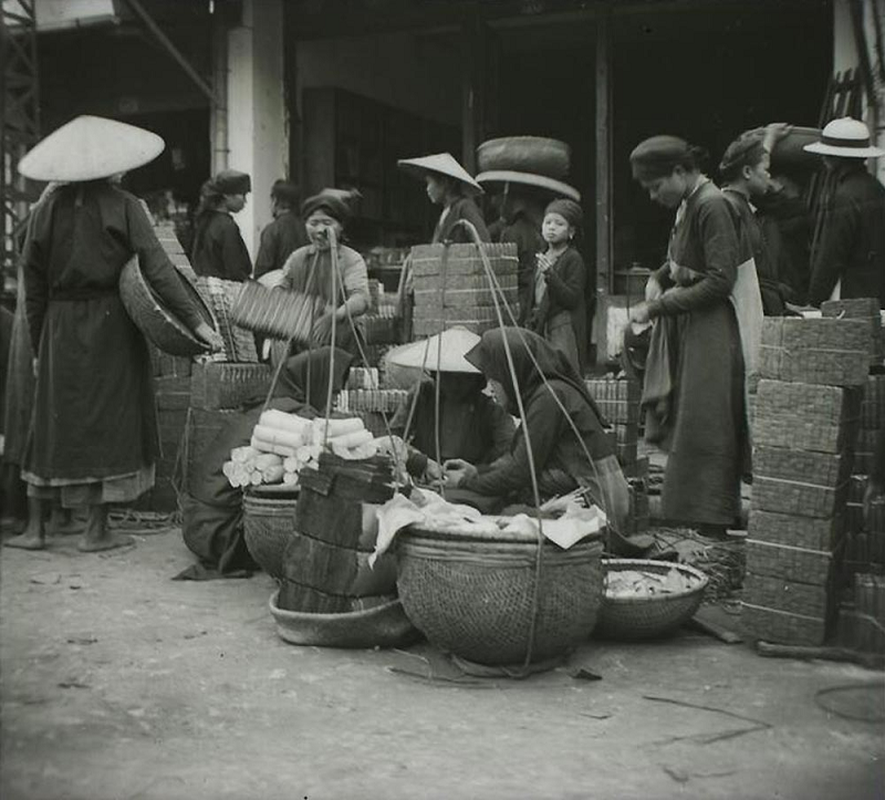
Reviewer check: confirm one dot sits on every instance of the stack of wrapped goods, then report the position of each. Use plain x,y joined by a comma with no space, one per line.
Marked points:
365,397
860,625
805,426
451,287
618,399
380,323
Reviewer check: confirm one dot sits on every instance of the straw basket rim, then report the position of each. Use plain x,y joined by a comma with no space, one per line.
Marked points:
346,629
517,538
623,564
154,319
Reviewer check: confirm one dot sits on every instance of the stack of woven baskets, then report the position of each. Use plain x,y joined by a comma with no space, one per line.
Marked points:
804,430
451,287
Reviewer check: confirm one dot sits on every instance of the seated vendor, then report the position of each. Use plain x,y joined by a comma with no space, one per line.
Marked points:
472,426
557,409
212,509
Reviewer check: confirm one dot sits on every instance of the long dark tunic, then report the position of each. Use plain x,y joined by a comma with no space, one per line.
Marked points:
851,245
561,317
786,225
753,244
94,411
447,229
476,428
219,249
707,436
278,241
526,235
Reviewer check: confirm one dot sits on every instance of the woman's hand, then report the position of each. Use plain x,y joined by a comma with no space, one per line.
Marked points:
653,289
322,330
209,336
457,471
639,313
774,133
35,366
433,471
874,491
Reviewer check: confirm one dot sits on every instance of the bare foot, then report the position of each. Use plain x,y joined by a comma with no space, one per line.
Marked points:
107,542
29,540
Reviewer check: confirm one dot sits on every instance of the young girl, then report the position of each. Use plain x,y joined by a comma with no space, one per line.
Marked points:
559,311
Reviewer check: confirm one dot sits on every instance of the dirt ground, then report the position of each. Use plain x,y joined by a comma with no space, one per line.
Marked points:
117,682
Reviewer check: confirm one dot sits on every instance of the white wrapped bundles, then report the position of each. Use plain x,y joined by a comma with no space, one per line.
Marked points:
274,418
243,455
290,478
336,427
267,447
278,436
354,439
267,460
272,474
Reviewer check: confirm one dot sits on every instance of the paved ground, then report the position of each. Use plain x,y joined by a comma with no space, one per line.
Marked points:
119,683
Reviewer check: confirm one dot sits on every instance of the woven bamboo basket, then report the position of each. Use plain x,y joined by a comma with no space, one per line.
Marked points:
382,625
268,524
221,385
154,320
791,563
796,531
648,617
476,597
773,625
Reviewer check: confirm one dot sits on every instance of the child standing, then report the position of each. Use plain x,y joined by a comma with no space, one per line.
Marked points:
559,311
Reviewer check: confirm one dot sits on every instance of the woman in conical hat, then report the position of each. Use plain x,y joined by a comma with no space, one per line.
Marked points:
449,185
93,440
472,426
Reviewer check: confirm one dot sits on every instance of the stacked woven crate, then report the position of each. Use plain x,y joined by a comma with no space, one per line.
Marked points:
618,399
451,287
365,397
805,426
380,323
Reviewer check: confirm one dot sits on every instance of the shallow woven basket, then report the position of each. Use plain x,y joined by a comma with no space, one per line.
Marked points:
268,524
382,626
648,617
154,320
474,597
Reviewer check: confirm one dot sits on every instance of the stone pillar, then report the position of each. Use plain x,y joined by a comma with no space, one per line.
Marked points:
257,135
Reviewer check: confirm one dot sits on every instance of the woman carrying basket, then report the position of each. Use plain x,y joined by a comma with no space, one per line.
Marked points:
309,270
93,439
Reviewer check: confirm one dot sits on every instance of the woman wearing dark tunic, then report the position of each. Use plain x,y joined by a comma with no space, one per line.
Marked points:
449,185
219,250
559,312
94,437
472,426
695,374
309,271
555,400
212,509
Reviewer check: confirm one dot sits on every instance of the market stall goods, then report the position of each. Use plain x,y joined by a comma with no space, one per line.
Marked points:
647,599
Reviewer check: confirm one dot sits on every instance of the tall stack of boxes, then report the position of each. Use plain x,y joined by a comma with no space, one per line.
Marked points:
805,426
618,399
451,287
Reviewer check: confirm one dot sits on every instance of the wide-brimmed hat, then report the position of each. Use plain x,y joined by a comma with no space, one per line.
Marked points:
431,354
442,164
846,138
89,148
533,161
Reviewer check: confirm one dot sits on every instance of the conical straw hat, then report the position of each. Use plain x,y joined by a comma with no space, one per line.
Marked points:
529,179
442,163
88,148
456,343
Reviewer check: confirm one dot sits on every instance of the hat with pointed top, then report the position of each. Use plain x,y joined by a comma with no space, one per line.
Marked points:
441,353
442,164
88,148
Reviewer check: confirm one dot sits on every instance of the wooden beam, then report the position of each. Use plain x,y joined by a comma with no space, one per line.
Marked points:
603,198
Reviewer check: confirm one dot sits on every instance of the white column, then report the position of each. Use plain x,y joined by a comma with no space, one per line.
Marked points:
257,138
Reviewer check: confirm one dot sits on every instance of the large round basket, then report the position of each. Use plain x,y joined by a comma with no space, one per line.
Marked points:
384,625
158,324
475,597
648,617
533,154
268,524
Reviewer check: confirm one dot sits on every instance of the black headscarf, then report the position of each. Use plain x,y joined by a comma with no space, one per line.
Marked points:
490,357
305,377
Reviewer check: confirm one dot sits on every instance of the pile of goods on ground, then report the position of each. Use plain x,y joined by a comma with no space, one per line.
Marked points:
642,583
284,444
